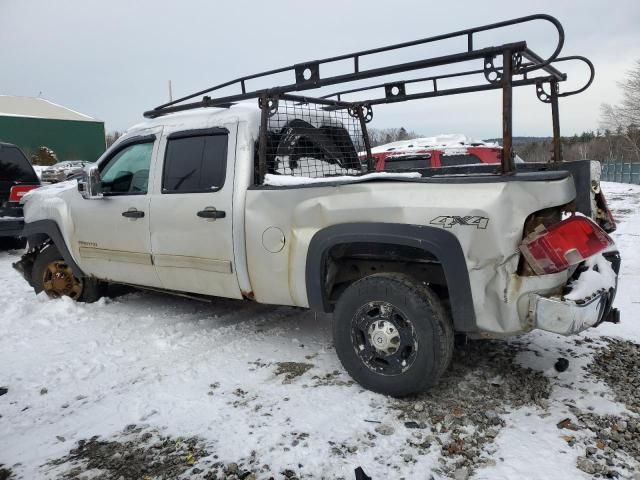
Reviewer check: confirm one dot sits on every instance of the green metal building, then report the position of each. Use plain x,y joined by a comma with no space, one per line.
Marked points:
32,123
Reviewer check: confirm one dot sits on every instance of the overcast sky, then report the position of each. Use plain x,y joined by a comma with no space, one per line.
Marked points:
113,59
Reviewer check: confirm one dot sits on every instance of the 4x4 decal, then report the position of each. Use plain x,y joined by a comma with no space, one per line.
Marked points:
470,221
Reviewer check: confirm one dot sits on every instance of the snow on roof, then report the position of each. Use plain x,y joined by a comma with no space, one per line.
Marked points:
32,107
440,142
201,117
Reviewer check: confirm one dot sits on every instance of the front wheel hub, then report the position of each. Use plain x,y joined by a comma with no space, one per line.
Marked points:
58,281
384,338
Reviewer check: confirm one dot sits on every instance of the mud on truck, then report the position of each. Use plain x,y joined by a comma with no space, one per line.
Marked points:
270,195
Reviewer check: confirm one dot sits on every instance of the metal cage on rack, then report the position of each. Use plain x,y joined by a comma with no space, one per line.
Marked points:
305,138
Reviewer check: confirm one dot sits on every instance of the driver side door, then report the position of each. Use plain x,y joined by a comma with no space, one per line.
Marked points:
112,233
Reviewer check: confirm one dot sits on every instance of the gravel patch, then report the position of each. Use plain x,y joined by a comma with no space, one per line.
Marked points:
618,365
292,370
615,449
462,415
138,453
141,453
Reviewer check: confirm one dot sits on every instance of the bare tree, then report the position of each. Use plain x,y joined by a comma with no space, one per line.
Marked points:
624,119
112,137
382,136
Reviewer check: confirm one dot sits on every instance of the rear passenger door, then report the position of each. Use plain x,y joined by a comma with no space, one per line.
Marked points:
191,211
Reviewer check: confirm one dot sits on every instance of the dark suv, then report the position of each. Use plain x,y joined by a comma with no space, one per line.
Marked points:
17,177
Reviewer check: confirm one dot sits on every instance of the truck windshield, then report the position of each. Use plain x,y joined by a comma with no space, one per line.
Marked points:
14,166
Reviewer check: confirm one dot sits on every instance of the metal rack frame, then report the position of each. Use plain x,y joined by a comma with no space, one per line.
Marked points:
517,60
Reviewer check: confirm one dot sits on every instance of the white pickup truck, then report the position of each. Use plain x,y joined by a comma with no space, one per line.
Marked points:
185,203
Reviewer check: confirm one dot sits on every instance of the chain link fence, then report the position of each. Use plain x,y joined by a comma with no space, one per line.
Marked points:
622,172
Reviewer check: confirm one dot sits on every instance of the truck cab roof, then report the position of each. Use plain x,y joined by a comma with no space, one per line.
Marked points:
202,117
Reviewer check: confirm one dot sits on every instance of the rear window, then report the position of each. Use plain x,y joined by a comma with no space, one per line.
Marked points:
195,164
453,160
403,162
14,166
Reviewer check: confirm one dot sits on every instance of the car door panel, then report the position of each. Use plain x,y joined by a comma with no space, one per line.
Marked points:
191,223
112,233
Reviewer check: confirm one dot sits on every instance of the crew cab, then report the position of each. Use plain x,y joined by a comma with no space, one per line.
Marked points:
272,203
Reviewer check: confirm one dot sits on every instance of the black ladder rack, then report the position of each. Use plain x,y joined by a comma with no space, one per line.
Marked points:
516,60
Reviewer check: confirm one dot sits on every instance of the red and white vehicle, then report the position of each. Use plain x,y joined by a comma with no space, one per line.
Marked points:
439,151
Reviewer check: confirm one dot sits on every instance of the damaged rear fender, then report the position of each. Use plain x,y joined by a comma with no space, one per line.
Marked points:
443,245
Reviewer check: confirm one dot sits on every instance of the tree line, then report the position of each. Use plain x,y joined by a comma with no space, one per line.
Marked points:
604,145
616,139
382,136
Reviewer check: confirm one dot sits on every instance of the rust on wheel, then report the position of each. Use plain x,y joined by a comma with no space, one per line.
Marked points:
58,281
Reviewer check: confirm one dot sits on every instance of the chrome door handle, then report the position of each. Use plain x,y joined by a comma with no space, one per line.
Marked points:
133,213
211,213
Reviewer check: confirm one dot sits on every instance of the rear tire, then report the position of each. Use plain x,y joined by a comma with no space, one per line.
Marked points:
51,273
392,335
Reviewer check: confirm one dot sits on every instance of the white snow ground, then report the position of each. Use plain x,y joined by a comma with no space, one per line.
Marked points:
191,368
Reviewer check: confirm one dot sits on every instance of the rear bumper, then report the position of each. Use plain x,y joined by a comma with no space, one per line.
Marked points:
11,209
567,317
11,227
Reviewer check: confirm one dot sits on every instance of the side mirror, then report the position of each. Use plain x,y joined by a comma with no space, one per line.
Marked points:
89,183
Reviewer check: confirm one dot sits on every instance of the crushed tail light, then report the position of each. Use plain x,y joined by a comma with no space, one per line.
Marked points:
18,191
567,243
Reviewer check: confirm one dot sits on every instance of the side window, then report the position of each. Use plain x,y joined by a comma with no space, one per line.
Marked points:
127,172
194,164
453,160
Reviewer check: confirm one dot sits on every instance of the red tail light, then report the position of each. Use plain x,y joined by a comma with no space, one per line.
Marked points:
553,249
18,191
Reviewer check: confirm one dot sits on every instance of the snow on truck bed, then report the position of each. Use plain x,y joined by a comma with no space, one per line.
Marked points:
291,180
261,385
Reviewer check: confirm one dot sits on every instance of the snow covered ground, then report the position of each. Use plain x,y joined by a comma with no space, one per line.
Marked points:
261,386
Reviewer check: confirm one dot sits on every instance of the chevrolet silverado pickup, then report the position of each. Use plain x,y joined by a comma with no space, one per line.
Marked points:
273,203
